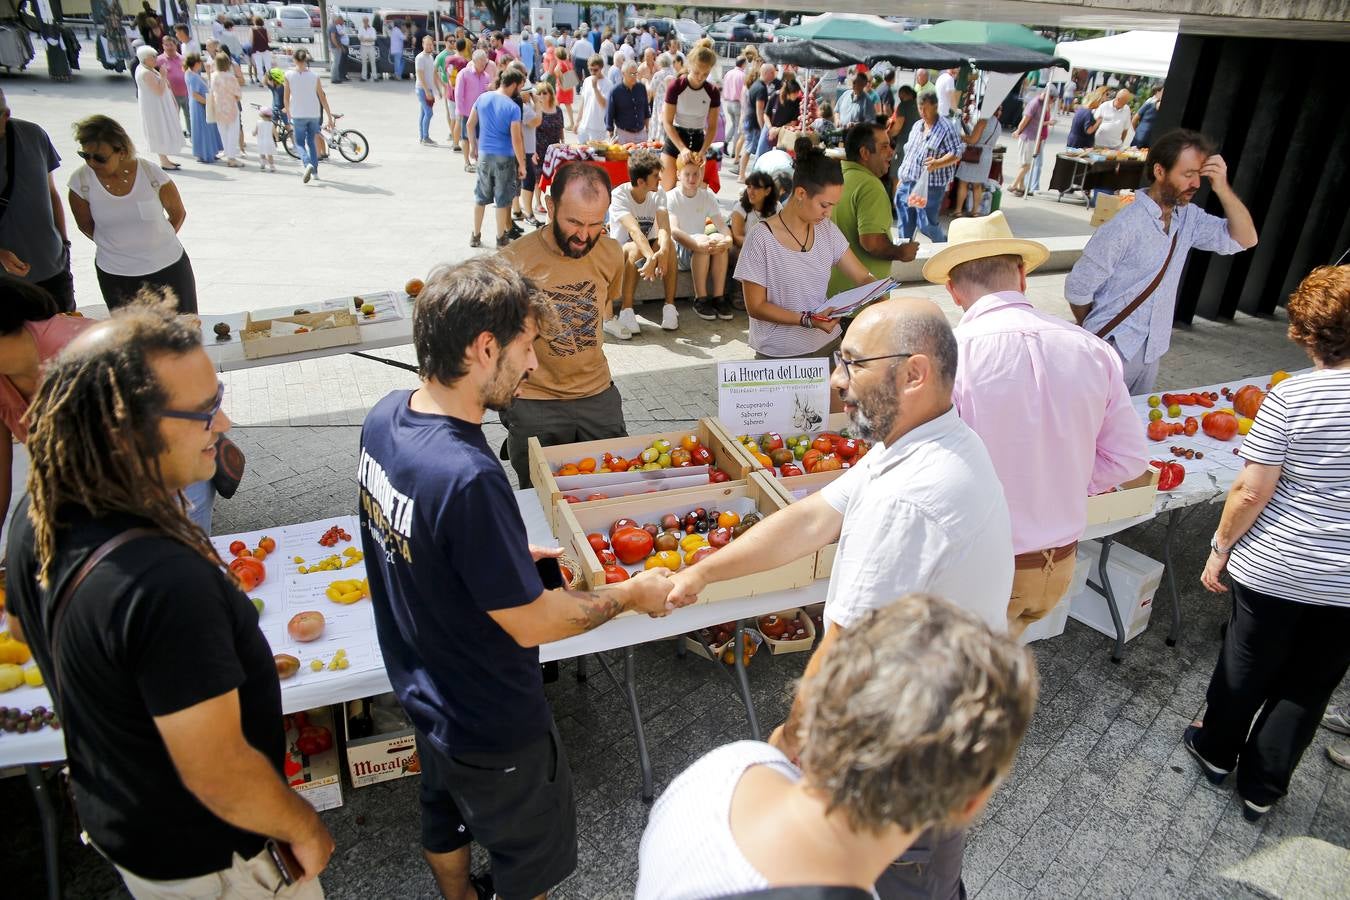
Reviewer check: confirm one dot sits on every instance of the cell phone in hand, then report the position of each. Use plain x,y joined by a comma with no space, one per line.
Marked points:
287,865
550,573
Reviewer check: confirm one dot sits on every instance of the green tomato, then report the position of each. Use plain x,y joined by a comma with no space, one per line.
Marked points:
258,604
663,460
661,446
650,455
651,467
1174,410
1154,401
800,450
1154,415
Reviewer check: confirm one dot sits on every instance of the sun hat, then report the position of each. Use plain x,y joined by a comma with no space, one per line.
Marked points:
979,238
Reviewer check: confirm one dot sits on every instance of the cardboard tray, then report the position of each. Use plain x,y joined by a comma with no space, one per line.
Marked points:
380,757
545,460
581,518
1133,498
258,341
777,646
812,482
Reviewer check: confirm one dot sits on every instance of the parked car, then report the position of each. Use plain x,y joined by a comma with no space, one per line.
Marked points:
687,30
314,18
291,24
740,28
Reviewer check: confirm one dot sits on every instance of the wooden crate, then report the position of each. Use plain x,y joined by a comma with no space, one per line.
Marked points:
582,518
258,341
812,483
1133,498
545,460
838,423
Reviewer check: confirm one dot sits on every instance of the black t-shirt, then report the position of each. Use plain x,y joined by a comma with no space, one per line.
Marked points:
753,95
444,544
785,112
153,630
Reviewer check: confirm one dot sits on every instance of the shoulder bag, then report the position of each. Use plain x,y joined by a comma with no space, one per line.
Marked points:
1148,291
229,467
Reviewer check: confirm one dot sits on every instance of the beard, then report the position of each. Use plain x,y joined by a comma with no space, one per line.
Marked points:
1171,196
499,393
568,246
874,414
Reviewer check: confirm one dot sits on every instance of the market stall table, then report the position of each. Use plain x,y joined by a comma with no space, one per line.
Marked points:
1095,172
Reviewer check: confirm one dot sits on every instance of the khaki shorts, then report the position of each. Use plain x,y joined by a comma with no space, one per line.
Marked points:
256,877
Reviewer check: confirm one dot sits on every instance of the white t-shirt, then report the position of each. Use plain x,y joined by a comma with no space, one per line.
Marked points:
1113,124
924,514
132,233
592,113
367,36
304,94
621,203
1299,546
426,71
946,85
793,280
688,850
691,214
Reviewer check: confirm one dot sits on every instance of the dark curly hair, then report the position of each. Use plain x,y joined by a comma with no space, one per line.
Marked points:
1319,314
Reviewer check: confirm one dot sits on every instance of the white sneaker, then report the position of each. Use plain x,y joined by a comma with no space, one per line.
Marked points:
670,318
614,328
628,320
309,173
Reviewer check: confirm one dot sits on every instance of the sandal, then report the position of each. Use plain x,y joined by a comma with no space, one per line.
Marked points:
517,215
470,167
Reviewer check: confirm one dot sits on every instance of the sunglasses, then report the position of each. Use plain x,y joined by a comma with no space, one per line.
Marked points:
99,158
207,417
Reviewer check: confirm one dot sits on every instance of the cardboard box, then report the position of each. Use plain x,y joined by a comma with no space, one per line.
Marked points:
1134,580
1133,498
801,645
579,519
798,487
696,646
258,341
317,778
1107,205
544,461
384,756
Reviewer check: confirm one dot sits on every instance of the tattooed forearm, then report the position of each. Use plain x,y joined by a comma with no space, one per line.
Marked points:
593,609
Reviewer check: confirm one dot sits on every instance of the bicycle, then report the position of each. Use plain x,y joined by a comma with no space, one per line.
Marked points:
351,143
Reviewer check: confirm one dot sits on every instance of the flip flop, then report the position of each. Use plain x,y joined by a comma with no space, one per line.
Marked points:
173,168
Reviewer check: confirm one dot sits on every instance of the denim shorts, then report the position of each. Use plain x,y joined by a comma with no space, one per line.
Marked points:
498,181
751,138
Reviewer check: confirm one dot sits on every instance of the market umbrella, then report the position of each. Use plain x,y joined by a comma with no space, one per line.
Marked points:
842,27
967,33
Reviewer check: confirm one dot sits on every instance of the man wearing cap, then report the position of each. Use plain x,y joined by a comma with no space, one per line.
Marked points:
1047,398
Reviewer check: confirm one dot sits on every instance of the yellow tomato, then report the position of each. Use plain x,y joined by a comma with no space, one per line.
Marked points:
691,542
663,559
1279,376
1244,425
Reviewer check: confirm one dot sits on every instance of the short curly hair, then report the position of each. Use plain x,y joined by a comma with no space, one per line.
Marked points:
1319,314
914,711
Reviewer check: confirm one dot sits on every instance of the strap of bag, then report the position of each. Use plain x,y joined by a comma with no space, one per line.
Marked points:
9,171
1148,291
72,584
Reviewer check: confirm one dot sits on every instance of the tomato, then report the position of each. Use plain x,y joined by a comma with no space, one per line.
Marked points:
729,519
847,448
615,574
248,563
1170,474
568,469
597,541
810,458
607,558
618,464
771,442
701,456
619,525
824,443
689,442
664,559
700,553
1158,430
764,461
260,553
790,469
248,580
1191,426
632,545
586,466
680,457
238,547
717,476
829,463
590,497
1221,426
268,545
570,499
1248,400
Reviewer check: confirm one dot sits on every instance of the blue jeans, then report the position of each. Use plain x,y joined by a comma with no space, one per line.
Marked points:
398,65
1034,181
305,132
335,73
201,503
425,110
925,219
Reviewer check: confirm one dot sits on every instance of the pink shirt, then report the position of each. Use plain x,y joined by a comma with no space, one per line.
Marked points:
1049,401
733,84
469,86
50,336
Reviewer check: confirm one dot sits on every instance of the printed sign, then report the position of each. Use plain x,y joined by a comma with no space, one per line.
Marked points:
790,396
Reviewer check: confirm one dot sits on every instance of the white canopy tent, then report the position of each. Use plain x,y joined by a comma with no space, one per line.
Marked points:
1129,53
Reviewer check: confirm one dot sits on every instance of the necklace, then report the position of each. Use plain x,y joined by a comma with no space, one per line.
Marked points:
122,177
801,244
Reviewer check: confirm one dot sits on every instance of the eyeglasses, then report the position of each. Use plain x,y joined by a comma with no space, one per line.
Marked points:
93,157
846,363
206,417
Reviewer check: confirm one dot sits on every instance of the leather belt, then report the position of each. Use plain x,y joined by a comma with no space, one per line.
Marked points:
1036,558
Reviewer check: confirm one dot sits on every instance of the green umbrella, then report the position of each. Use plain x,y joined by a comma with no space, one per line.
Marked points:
845,27
965,32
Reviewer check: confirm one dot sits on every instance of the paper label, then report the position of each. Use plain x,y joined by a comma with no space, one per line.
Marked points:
783,395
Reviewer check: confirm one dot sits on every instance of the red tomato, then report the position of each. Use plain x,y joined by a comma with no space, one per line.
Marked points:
771,442
824,443
1221,426
790,469
1191,426
810,458
237,548
614,574
717,476
618,464
607,558
1159,431
597,542
570,499
597,497
847,448
701,456
619,525
632,545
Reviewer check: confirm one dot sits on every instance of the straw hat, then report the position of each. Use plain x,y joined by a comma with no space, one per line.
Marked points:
979,238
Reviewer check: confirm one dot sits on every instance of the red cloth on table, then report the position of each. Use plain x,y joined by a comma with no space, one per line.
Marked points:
618,173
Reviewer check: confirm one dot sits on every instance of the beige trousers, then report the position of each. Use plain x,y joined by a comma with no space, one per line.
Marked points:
1037,591
247,879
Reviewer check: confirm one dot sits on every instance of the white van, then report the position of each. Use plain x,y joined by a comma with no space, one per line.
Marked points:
290,23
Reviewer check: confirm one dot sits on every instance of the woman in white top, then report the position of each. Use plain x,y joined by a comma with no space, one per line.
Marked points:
1284,538
159,111
758,202
224,99
973,175
784,267
132,212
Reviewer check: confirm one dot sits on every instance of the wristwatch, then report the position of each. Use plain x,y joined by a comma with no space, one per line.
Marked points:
1214,545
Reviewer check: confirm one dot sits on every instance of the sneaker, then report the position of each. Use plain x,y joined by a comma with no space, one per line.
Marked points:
723,306
1253,812
458,148
1337,719
628,320
670,317
1339,753
309,173
614,328
475,240
704,309
515,231
1211,771
503,240
482,886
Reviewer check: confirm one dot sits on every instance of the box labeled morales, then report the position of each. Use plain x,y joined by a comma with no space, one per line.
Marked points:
381,745
311,765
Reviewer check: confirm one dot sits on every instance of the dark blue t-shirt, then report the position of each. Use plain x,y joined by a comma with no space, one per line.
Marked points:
1078,136
445,543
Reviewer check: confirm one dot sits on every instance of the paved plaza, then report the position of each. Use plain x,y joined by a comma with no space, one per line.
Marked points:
1103,800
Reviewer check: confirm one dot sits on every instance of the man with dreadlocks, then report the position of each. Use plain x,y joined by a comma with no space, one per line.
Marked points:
165,686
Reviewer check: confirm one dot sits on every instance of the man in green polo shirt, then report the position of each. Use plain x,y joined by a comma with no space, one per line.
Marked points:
864,211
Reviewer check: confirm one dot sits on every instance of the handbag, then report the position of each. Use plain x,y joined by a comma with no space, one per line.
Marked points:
1148,291
972,154
229,467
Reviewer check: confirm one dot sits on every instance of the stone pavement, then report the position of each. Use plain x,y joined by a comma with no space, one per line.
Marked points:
1103,800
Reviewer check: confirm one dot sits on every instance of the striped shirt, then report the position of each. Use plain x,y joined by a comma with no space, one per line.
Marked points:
688,850
1299,546
931,143
798,284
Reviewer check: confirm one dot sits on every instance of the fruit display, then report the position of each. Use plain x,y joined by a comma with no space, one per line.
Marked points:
1170,474
661,453
348,591
674,542
349,557
306,626
248,571
782,627
333,536
804,453
23,721
12,651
